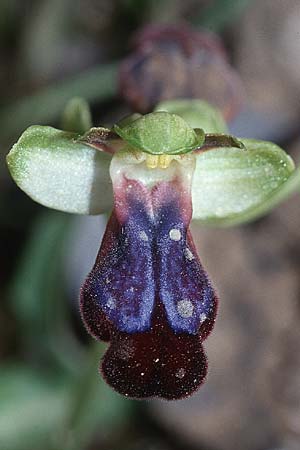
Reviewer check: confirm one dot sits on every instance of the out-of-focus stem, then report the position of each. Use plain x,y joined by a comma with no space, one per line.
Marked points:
78,431
45,106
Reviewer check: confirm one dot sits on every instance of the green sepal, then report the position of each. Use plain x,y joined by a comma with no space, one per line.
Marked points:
61,173
197,113
161,133
232,186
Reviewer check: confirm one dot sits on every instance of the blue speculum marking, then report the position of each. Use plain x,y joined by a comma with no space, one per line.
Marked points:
148,294
184,287
151,255
124,285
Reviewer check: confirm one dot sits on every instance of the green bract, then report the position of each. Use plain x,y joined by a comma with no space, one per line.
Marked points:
161,133
60,173
197,113
232,186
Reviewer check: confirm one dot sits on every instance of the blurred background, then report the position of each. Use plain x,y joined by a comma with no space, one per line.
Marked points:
123,56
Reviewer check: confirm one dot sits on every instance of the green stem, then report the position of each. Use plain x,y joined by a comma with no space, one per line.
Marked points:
79,428
96,84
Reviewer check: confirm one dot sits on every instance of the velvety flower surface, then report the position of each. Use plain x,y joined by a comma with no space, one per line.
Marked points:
148,293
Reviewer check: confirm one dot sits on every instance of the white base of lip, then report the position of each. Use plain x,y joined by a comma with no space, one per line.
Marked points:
133,165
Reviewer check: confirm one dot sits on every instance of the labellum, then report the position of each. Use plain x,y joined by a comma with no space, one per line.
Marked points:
148,294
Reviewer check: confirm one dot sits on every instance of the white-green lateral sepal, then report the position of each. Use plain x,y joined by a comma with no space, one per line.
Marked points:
232,185
197,113
58,172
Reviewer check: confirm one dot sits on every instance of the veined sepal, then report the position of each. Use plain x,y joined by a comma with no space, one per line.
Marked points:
60,172
232,186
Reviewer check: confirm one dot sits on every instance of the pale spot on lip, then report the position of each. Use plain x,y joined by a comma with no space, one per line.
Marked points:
111,303
143,236
185,308
188,254
175,234
180,373
203,317
126,350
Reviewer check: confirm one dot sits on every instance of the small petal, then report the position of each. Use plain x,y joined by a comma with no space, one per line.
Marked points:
233,185
218,140
102,139
58,172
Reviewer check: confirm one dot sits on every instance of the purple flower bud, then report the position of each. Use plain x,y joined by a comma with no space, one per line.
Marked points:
177,62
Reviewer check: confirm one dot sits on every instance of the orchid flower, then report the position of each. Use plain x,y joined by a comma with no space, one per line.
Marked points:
148,295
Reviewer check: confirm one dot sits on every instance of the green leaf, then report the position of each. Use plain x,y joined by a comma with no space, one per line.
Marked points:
77,116
37,408
161,133
232,186
95,85
32,408
94,404
38,295
58,172
197,113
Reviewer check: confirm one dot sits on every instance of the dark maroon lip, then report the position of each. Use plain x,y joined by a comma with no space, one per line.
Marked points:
148,294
